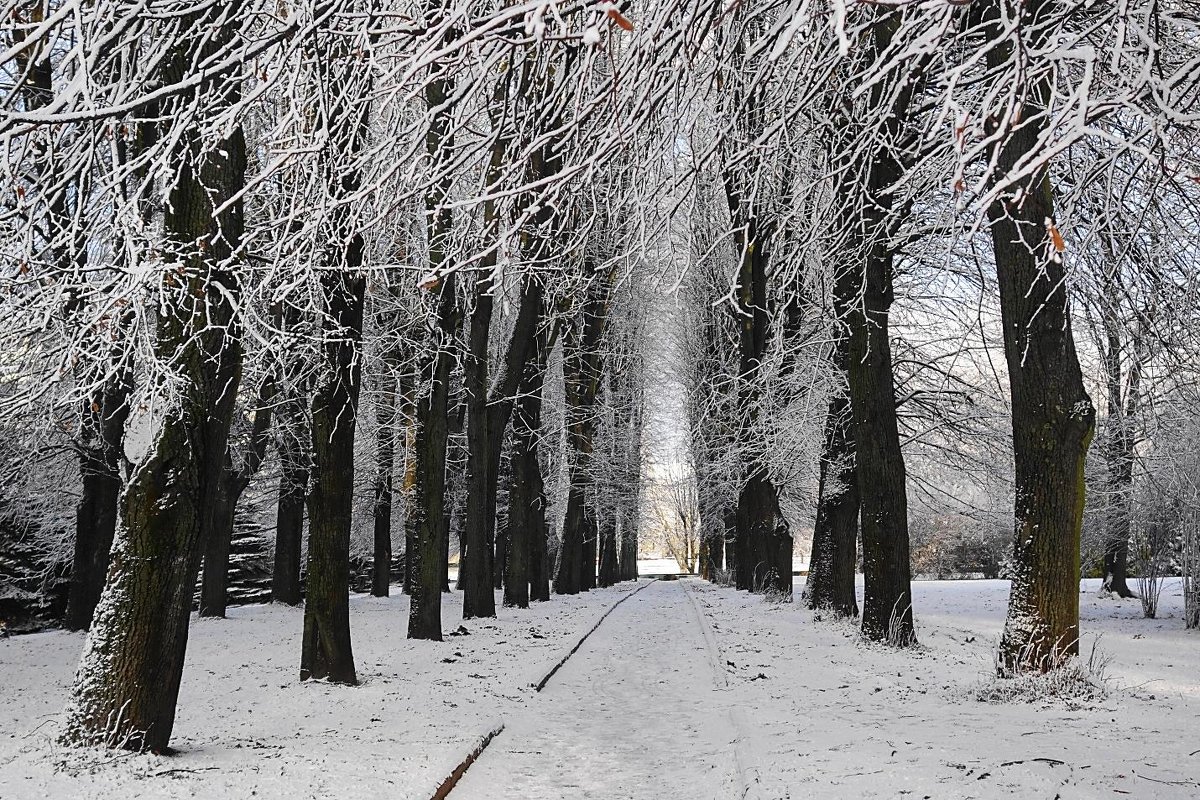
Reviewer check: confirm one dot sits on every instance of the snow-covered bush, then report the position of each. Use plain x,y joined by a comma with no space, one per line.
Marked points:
1075,682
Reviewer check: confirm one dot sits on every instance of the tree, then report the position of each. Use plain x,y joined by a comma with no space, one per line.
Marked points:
1052,415
292,424
583,367
343,117
125,691
219,516
426,556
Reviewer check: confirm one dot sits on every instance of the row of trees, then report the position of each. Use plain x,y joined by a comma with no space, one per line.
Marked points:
370,227
235,225
929,185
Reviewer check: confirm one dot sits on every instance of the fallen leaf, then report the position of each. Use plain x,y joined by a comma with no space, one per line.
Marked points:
619,18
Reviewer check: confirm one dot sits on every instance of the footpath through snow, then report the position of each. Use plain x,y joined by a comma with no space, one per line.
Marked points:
685,691
635,713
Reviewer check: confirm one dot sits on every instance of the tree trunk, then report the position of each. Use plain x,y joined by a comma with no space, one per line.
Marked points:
582,368
587,566
219,516
527,503
830,584
218,534
385,456
863,296
1052,415
327,653
520,535
289,516
609,572
887,598
96,515
629,546
337,52
126,688
427,556
475,569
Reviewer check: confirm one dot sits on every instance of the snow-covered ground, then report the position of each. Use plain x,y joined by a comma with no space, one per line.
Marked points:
246,727
685,691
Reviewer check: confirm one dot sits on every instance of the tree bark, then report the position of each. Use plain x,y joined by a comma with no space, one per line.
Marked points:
475,568
863,296
428,556
1052,415
96,515
218,534
127,685
587,566
830,584
526,576
764,559
293,489
220,514
326,651
629,546
385,456
582,368
609,572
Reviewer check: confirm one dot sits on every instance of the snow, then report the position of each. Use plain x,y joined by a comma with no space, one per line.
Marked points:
686,690
247,727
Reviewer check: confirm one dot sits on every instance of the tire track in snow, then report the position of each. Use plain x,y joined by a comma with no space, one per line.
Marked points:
446,786
743,757
546,678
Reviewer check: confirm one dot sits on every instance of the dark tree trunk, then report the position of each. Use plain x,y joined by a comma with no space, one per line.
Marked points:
587,568
219,515
1052,415
218,534
475,568
327,652
520,535
428,554
289,515
1116,548
712,549
96,515
127,684
385,456
527,502
830,585
582,369
863,296
763,560
887,597
765,541
609,572
629,546
526,576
